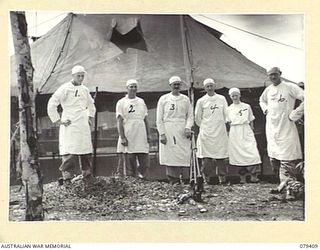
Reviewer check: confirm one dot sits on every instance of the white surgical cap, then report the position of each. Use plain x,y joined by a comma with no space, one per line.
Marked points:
174,79
77,69
208,80
232,90
131,81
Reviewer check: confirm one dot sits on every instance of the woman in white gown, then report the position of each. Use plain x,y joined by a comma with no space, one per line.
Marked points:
243,151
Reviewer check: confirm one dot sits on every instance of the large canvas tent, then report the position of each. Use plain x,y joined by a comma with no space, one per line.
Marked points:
149,48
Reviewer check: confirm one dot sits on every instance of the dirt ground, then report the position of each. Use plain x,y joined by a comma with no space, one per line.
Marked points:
134,199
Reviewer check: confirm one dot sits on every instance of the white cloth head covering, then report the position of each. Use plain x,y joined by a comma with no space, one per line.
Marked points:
174,79
274,70
78,69
208,80
234,90
131,81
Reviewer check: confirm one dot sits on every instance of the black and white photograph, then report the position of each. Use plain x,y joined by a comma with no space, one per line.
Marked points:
156,117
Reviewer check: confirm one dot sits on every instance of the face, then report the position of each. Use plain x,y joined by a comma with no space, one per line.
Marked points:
210,88
132,89
78,77
275,78
235,96
175,86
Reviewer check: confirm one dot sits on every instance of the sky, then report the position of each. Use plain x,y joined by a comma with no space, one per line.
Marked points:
283,28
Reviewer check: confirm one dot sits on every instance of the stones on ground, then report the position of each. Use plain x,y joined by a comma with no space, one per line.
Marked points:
182,212
192,202
162,209
203,210
130,199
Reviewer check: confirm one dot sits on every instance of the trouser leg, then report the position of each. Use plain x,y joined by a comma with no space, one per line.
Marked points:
68,162
144,163
132,164
275,165
221,170
121,165
242,173
254,170
85,164
286,173
207,168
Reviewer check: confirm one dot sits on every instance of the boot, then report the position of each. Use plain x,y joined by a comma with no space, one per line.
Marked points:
254,178
243,179
222,179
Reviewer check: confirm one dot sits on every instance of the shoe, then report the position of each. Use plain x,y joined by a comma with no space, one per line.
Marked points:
243,179
222,179
141,176
254,179
223,183
67,183
60,181
274,191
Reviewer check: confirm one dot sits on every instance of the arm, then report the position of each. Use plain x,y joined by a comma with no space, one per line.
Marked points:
251,125
198,113
263,102
159,122
225,112
190,117
189,121
52,109
146,122
120,127
297,93
90,105
251,117
228,120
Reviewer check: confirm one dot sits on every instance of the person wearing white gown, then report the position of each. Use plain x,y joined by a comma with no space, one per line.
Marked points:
283,145
243,151
212,141
134,131
78,111
174,121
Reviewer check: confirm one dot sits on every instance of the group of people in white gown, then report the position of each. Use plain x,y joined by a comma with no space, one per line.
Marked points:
175,118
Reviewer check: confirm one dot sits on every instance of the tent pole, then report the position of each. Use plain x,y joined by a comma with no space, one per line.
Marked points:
196,180
95,143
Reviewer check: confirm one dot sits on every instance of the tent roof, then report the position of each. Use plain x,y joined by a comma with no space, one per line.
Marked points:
149,48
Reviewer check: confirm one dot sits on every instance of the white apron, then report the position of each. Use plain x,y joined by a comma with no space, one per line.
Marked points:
133,112
210,116
77,105
174,114
243,149
282,134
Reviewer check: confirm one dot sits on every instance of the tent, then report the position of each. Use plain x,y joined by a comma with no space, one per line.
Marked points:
149,48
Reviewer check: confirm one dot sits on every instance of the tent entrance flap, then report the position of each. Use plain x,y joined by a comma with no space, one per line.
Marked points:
128,35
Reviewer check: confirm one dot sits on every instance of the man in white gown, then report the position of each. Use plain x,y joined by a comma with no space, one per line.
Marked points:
174,122
134,131
77,115
212,142
283,145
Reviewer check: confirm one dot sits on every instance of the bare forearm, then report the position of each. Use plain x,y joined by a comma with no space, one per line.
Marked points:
120,127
